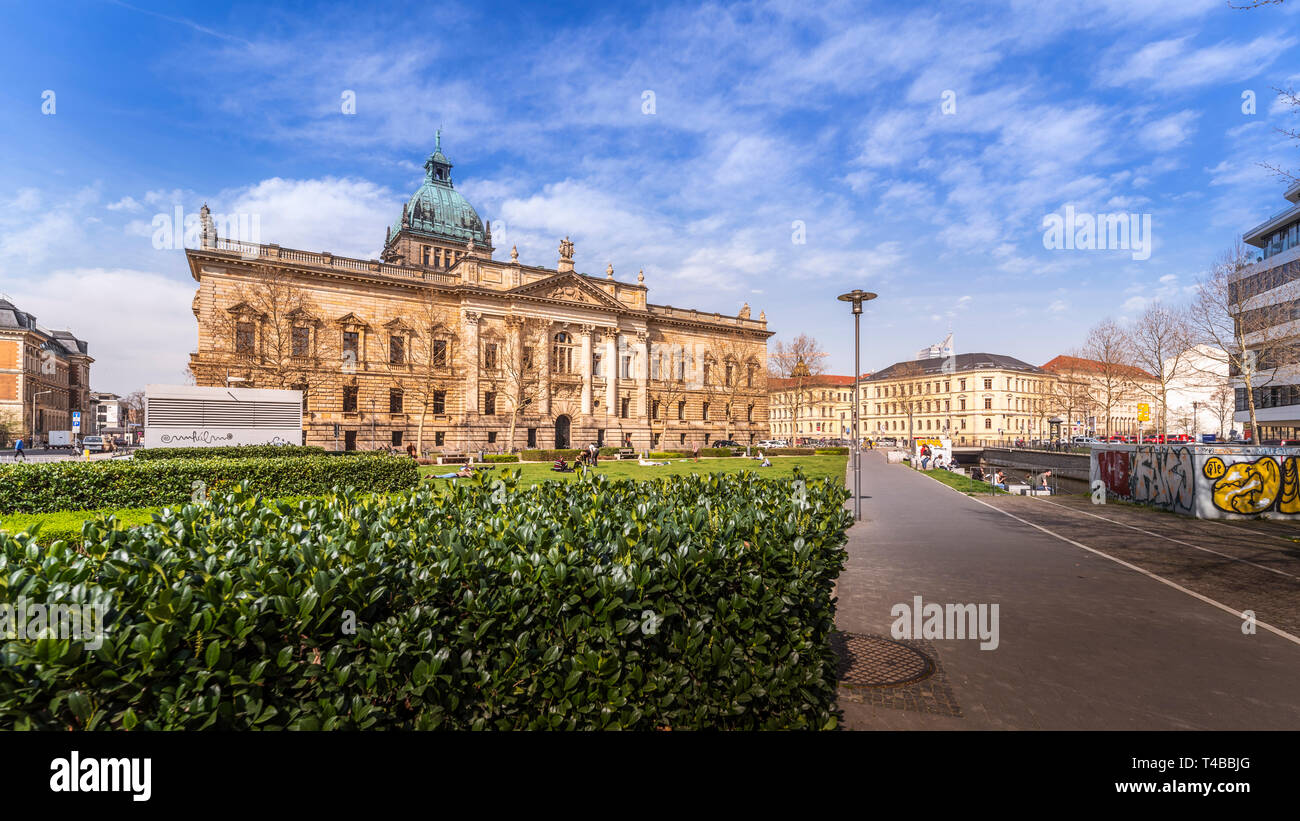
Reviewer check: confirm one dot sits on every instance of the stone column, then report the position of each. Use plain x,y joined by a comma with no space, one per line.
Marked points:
586,331
471,360
544,371
611,373
643,374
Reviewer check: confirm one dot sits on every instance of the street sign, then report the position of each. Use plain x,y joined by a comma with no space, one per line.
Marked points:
1144,412
76,421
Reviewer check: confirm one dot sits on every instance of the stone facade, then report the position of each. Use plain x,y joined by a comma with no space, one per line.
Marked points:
44,376
442,343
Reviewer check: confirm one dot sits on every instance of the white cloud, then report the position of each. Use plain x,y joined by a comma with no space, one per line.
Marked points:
1169,132
138,324
1176,64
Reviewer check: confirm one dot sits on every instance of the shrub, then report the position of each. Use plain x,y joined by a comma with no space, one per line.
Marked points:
501,457
54,486
788,451
683,602
840,451
666,455
230,452
716,452
549,455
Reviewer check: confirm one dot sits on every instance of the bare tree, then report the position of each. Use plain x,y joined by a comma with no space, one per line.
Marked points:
908,399
431,371
1070,393
1221,405
518,384
796,363
1250,341
732,377
667,386
1111,381
1162,338
274,336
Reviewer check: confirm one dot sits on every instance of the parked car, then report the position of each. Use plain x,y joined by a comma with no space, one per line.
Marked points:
94,444
725,443
770,443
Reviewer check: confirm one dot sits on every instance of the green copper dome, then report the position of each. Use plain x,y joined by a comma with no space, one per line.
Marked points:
437,208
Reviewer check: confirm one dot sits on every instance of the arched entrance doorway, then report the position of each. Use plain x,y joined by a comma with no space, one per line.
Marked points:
561,432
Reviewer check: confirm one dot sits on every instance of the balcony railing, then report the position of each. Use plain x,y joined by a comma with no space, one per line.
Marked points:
249,250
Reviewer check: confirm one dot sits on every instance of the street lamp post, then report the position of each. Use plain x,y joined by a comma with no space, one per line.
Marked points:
857,297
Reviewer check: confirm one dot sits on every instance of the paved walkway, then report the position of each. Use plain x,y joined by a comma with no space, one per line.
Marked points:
1085,642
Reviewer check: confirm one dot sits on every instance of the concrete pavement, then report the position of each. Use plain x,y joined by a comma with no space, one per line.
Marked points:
1085,643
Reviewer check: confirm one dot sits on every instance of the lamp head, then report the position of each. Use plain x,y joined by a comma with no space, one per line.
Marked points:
857,296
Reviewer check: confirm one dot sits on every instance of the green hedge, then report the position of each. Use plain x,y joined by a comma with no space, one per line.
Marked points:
678,603
671,454
840,451
500,457
49,487
230,452
549,455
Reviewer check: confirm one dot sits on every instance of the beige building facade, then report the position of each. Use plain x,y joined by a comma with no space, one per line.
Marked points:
972,398
442,344
810,408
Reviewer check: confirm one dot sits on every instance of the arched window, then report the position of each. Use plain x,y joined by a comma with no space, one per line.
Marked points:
562,353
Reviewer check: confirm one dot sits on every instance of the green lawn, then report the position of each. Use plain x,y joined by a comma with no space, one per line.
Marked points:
67,525
965,484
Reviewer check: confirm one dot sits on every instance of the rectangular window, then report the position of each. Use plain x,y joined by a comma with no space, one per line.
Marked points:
396,350
595,366
626,368
351,345
961,384
528,357
439,353
988,383
988,403
349,440
625,405
489,403
439,402
394,400
244,337
705,413
749,413
397,438
681,438
988,424
439,437
301,342
681,410
492,437
532,437
350,400
654,409
490,356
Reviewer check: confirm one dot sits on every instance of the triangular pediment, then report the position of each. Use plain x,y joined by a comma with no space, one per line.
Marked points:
351,319
569,287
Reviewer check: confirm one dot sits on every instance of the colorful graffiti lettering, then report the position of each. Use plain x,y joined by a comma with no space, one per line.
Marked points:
1112,467
1289,501
1165,478
1248,487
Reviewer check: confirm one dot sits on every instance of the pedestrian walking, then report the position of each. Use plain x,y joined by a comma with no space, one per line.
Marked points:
595,453
695,451
18,451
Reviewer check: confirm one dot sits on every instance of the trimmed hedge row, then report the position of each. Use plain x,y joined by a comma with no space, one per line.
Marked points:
230,452
678,603
839,451
500,457
49,487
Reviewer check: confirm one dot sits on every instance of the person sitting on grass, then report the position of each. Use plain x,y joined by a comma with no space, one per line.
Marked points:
646,463
766,463
561,466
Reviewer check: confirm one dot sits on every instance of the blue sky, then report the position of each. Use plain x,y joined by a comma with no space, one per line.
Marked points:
766,117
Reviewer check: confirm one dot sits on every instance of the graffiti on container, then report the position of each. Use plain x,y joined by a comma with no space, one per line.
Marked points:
1251,488
1165,478
1112,465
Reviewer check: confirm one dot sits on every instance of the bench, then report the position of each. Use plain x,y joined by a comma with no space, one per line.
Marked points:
626,453
452,457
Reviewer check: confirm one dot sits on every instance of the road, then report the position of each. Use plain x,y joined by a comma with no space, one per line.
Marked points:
1086,642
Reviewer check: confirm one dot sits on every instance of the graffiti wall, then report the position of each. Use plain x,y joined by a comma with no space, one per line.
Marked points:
1209,481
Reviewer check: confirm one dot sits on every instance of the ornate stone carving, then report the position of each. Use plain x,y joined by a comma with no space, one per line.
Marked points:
473,317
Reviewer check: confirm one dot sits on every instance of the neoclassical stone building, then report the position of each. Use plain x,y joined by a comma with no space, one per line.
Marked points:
440,342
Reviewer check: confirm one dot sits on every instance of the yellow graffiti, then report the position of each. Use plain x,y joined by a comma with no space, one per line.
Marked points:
1214,468
1248,487
1289,501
